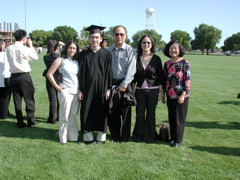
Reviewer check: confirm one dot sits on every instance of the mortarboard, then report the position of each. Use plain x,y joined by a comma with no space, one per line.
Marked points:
94,29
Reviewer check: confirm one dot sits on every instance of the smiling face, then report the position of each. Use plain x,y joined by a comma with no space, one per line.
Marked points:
146,44
174,50
95,40
71,50
119,36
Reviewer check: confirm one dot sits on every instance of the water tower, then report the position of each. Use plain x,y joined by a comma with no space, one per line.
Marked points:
150,18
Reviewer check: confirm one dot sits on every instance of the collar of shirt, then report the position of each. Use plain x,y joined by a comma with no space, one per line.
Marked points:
124,46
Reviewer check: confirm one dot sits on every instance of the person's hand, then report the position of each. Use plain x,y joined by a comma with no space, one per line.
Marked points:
60,43
160,95
107,95
80,96
181,99
60,88
163,99
121,89
29,42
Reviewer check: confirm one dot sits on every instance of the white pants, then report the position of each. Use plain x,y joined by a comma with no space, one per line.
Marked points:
68,111
89,136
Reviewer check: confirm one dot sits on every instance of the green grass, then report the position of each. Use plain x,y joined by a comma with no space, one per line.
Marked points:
210,149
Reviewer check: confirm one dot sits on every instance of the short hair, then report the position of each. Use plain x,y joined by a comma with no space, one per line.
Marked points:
167,47
20,34
118,27
52,45
139,47
64,51
1,43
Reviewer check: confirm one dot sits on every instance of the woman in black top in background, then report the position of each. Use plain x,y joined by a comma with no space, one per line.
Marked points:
149,79
53,48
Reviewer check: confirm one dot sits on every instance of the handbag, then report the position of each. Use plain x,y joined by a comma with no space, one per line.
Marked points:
164,132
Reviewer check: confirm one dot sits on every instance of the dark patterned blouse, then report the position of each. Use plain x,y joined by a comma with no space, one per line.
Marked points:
177,78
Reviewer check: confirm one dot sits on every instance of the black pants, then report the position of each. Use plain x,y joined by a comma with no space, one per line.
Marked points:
5,93
145,126
22,87
53,102
177,114
120,124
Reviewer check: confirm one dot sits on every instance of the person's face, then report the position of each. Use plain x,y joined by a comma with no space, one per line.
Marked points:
95,40
71,50
119,35
104,44
174,50
146,44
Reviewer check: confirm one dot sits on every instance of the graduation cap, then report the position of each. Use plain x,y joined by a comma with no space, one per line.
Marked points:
94,29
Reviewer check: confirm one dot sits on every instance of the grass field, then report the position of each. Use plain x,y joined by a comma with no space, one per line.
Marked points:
210,149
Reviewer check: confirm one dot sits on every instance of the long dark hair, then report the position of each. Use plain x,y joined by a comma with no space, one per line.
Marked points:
64,51
52,46
139,47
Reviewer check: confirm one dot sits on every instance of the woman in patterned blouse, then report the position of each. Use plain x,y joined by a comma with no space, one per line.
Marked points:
177,87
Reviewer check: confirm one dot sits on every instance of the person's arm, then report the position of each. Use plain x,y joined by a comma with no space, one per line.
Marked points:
56,64
130,72
187,81
31,53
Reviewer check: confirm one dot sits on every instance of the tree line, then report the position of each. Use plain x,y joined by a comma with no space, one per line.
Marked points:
206,38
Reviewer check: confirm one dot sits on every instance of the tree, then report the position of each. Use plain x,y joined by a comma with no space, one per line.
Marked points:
183,37
207,37
232,43
64,33
40,37
156,37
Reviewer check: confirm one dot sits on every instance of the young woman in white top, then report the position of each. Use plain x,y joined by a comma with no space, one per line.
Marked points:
68,91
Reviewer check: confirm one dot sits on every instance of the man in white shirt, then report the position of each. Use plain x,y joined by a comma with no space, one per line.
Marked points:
22,86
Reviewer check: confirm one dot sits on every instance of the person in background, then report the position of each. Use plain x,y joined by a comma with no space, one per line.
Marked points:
177,86
104,43
5,90
68,91
18,56
124,68
149,80
53,48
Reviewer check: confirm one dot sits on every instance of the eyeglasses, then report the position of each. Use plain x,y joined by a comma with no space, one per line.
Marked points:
119,34
146,42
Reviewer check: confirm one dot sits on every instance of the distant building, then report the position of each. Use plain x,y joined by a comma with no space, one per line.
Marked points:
7,33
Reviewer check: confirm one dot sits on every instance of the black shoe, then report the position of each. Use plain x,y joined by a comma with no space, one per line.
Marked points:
175,144
100,142
114,140
63,144
31,125
89,142
51,122
22,125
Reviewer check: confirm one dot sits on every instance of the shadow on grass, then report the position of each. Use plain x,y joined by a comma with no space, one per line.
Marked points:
230,102
214,125
218,150
10,129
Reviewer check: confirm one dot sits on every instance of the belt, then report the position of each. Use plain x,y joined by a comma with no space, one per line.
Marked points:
117,81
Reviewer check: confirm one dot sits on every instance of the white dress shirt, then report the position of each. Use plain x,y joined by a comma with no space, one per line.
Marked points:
4,68
19,56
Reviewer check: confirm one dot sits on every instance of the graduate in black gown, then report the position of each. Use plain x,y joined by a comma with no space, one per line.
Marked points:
95,83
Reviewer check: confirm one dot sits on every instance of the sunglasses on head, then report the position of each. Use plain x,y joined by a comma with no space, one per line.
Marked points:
119,34
146,42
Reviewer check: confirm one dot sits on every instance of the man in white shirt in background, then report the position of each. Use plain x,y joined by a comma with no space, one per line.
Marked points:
22,86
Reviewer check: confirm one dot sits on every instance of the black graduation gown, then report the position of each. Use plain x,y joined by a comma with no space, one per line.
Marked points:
95,79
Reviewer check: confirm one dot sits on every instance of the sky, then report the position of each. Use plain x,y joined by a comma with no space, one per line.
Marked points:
170,15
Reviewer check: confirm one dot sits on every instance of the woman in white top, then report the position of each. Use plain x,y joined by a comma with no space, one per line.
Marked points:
5,90
68,91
